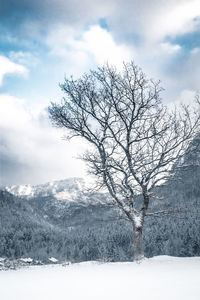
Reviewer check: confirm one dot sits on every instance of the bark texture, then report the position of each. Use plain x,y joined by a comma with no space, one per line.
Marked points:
137,244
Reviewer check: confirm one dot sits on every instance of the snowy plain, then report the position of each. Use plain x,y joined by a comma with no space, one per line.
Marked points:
158,278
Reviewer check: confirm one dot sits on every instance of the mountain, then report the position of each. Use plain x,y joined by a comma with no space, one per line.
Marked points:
64,203
40,225
64,220
70,190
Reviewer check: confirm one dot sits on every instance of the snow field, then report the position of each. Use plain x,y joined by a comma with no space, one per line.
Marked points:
158,278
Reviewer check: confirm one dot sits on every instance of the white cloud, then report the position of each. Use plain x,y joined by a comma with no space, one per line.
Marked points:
195,50
185,74
186,97
170,48
23,58
100,43
36,149
180,17
8,67
93,45
154,20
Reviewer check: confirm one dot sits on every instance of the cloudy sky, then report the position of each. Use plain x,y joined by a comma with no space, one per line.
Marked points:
42,41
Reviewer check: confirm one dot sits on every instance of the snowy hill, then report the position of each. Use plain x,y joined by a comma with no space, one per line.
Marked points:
161,277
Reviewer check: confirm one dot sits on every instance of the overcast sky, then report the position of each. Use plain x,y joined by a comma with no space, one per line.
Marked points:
42,41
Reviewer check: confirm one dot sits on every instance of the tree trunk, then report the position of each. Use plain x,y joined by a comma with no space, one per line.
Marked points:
138,221
137,243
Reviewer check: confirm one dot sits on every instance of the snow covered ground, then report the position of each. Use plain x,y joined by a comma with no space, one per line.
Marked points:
158,278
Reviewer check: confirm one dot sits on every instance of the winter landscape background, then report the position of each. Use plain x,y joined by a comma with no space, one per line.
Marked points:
64,220
58,238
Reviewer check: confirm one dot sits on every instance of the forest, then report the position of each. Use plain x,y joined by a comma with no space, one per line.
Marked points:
31,228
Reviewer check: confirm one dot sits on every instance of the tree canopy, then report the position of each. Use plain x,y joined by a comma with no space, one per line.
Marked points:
135,140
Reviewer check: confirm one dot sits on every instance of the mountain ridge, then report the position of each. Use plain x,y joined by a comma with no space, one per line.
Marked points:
70,190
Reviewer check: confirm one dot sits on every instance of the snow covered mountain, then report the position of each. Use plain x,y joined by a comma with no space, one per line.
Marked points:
62,219
70,190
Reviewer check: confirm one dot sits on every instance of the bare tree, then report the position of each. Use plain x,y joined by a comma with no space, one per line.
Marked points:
134,139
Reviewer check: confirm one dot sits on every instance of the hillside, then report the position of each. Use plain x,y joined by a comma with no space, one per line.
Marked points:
62,219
